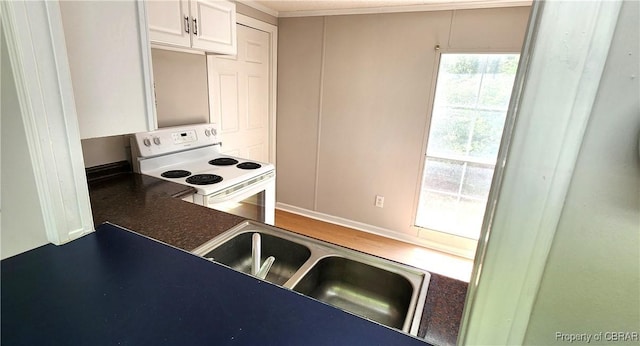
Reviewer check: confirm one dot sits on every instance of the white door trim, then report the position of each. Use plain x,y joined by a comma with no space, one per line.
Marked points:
272,30
557,84
147,67
38,54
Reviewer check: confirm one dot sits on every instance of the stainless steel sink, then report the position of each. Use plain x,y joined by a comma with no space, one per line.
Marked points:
236,253
362,289
380,290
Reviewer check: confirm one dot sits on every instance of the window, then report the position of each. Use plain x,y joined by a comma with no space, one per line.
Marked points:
470,105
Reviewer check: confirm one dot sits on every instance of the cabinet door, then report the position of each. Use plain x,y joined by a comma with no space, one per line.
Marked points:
214,26
108,56
169,22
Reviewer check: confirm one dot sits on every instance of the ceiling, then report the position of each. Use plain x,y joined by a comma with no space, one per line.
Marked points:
314,7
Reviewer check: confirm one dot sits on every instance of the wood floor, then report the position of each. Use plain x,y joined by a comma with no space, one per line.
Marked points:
413,255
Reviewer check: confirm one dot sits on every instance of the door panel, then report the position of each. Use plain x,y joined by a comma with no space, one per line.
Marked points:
240,106
257,102
215,26
167,23
229,121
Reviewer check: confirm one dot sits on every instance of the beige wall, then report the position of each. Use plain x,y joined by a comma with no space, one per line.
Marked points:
103,150
182,93
591,282
257,14
299,76
354,104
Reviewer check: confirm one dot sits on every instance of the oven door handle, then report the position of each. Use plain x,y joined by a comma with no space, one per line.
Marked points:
250,189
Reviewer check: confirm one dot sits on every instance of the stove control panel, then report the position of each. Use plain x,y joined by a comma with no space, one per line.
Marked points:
174,139
184,137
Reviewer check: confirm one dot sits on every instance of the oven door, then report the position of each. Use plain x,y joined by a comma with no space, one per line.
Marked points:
253,199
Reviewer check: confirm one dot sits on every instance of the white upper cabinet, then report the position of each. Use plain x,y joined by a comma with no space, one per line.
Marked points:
169,22
108,53
214,26
207,25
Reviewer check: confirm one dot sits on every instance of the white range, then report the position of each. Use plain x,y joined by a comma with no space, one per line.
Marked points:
190,155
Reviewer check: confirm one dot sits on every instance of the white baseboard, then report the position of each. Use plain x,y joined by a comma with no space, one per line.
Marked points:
360,226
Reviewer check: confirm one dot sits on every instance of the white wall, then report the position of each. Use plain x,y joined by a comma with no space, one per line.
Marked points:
353,105
591,282
22,221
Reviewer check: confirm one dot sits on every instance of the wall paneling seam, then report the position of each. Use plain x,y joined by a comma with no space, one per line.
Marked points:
453,15
319,118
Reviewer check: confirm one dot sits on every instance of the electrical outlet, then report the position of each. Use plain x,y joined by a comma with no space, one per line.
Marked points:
379,201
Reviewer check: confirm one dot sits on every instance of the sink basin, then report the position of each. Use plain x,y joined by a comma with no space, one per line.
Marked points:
380,290
359,288
236,253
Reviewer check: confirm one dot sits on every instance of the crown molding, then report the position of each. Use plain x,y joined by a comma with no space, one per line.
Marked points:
259,7
467,5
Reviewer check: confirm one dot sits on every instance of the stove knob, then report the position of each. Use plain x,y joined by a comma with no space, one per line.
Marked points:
214,132
146,142
156,140
207,132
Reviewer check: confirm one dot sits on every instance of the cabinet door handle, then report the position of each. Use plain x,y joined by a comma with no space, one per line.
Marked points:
186,24
195,26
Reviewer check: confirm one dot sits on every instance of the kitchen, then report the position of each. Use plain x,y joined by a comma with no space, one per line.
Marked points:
279,172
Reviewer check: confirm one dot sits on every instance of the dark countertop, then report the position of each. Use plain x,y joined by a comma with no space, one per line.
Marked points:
151,207
117,287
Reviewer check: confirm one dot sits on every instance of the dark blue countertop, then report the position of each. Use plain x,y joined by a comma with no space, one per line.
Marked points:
117,287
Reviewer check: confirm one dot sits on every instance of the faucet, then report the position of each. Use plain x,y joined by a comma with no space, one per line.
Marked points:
256,269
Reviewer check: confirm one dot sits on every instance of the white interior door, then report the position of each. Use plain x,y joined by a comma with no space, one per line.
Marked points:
240,94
